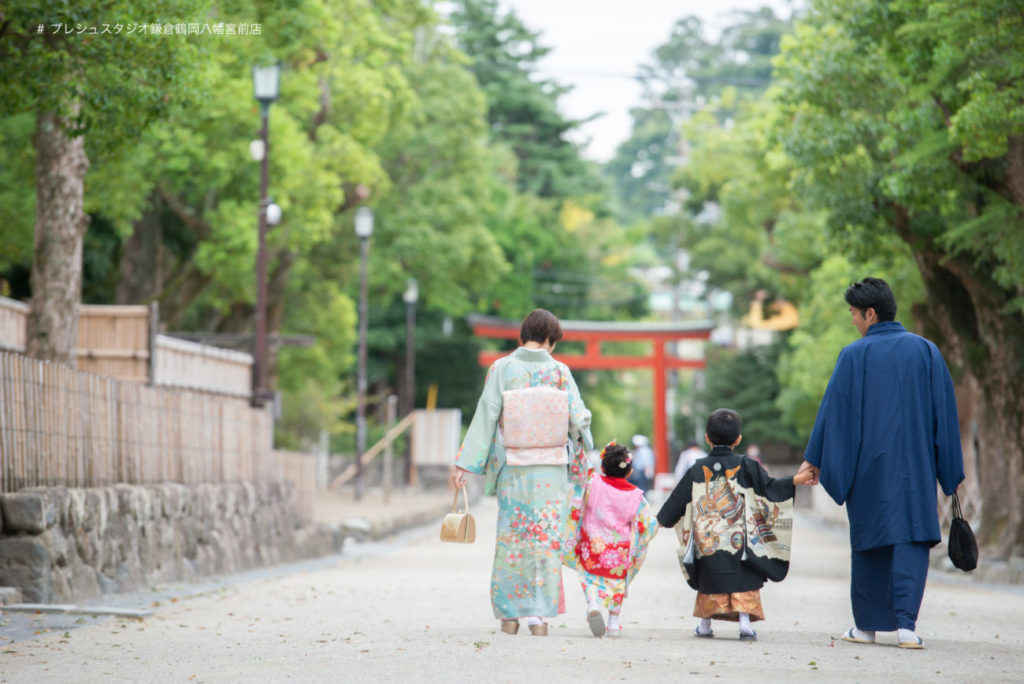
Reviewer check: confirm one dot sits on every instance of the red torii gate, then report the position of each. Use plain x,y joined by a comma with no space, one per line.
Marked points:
593,333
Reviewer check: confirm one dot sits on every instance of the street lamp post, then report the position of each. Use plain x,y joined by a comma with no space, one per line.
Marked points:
364,229
265,82
410,297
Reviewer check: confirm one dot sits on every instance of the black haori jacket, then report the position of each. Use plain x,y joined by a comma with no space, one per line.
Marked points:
737,523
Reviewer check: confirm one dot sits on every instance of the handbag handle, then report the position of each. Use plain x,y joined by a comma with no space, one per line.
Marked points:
957,512
465,499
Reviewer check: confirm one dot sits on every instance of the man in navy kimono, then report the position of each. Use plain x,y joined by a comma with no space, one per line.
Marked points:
886,430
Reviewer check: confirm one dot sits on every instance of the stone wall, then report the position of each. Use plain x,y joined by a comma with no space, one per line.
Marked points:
59,544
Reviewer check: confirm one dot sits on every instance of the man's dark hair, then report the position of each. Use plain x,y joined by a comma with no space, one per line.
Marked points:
540,326
723,427
616,461
690,444
872,293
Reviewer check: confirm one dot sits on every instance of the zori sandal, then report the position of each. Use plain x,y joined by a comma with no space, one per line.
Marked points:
856,636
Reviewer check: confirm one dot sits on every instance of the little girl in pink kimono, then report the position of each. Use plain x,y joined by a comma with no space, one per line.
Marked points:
609,527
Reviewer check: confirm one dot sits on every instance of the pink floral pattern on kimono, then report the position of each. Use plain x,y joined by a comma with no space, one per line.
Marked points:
610,525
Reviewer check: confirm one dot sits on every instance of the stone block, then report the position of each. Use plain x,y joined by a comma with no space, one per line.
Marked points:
9,595
247,499
74,509
27,512
95,517
56,546
174,500
25,564
113,502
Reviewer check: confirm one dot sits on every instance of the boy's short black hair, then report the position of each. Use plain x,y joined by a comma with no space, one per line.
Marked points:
872,293
540,326
724,427
616,461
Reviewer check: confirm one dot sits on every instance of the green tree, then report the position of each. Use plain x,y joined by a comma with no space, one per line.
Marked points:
522,109
684,72
78,84
934,158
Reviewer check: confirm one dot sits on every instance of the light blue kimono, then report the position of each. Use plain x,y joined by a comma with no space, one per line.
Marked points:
526,579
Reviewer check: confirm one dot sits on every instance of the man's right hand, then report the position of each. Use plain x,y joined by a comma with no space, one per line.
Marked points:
807,474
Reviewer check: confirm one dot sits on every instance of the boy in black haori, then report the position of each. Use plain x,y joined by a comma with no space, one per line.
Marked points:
736,531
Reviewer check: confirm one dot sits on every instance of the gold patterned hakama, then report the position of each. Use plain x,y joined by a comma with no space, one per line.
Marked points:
729,606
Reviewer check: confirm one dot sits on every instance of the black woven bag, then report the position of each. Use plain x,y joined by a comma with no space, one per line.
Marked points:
962,547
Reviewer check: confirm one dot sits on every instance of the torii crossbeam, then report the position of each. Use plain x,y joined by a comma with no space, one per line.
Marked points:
593,333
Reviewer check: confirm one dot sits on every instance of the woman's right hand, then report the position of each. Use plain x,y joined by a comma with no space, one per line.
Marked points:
456,477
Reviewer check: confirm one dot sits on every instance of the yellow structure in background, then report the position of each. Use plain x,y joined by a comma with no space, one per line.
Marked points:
783,316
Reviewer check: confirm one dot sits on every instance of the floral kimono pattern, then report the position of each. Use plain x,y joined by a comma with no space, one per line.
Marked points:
610,526
527,575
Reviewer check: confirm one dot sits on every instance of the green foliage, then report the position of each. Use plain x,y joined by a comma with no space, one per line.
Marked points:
110,85
17,191
930,154
522,110
745,381
685,71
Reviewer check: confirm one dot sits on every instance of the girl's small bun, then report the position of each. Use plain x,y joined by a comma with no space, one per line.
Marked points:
616,460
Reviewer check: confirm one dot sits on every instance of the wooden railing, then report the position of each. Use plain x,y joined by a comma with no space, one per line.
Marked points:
60,426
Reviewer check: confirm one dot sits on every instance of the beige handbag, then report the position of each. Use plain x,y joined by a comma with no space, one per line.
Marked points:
459,526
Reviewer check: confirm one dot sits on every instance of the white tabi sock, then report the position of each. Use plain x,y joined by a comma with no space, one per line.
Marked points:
705,626
534,620
906,635
613,620
745,623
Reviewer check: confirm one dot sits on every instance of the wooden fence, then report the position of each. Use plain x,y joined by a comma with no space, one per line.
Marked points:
122,342
114,340
13,318
180,363
59,426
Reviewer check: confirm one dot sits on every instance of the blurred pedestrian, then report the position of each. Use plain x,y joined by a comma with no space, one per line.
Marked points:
643,464
687,457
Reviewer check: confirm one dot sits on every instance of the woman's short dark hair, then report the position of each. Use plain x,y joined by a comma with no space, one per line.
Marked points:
540,326
724,427
872,293
616,461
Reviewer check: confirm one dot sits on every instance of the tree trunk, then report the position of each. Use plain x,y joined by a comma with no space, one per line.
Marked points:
983,346
59,233
142,257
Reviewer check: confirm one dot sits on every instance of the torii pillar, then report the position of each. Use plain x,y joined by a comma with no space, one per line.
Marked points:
593,333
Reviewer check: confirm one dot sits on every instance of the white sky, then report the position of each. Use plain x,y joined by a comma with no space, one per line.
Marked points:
597,45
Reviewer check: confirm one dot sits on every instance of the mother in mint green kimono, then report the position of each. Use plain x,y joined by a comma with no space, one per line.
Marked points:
532,500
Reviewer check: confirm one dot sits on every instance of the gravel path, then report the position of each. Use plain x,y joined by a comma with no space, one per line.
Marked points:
415,610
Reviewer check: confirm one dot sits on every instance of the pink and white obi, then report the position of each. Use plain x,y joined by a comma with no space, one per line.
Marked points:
535,426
